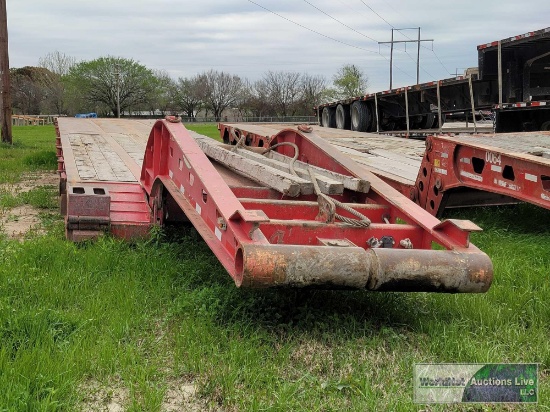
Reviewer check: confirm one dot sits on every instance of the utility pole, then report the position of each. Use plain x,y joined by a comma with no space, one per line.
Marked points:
418,59
392,42
117,74
5,72
391,60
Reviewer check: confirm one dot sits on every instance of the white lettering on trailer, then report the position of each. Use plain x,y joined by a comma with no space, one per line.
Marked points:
171,174
218,234
465,160
531,178
198,208
191,179
182,189
493,158
440,171
507,185
545,197
471,176
445,155
496,168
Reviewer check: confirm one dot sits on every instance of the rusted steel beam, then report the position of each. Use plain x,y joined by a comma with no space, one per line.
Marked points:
375,269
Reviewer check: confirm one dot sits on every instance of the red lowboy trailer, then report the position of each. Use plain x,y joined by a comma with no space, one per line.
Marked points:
298,213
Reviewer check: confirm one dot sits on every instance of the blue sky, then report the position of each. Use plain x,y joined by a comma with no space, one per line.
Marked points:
188,37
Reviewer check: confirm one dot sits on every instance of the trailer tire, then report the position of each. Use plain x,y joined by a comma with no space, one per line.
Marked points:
428,121
436,121
373,121
343,118
360,116
327,117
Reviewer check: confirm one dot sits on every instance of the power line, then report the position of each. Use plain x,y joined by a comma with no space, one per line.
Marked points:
313,31
388,23
392,42
397,11
438,59
354,10
423,69
398,68
331,38
343,24
371,9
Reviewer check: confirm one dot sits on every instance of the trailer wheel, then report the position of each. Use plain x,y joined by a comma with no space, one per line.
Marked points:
428,121
360,116
343,118
436,121
328,117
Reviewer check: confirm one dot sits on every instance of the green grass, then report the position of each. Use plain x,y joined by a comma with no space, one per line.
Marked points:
206,129
155,314
41,197
33,149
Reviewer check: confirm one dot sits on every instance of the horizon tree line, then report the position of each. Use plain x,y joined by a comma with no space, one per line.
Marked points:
61,85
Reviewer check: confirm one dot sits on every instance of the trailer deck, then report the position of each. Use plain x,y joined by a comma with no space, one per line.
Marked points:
393,158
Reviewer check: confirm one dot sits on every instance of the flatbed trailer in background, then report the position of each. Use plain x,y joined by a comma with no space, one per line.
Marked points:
328,223
442,171
512,79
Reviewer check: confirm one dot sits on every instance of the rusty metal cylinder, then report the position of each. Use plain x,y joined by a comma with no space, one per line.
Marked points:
264,266
304,266
405,270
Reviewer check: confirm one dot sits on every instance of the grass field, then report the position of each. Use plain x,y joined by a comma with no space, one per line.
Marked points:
85,327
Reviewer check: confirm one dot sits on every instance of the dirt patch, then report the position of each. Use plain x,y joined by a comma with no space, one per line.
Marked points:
98,398
19,221
179,396
30,181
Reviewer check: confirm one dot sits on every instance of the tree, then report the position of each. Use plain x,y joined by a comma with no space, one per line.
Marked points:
284,89
189,95
28,89
221,90
350,81
57,62
313,89
59,65
163,94
97,81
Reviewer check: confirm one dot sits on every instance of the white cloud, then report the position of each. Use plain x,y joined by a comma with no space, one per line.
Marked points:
187,37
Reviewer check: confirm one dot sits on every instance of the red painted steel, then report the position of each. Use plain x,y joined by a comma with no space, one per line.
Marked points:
474,162
451,163
267,242
93,207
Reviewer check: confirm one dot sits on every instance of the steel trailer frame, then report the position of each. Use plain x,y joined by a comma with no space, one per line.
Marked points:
267,239
462,170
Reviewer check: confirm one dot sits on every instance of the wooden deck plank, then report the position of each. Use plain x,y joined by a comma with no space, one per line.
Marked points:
104,149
